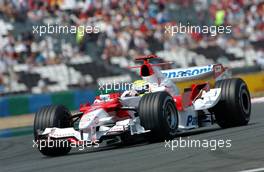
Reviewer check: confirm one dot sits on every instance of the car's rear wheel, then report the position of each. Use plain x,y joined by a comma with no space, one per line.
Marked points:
48,117
234,107
158,114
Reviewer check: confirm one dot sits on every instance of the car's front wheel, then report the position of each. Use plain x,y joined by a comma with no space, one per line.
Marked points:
48,117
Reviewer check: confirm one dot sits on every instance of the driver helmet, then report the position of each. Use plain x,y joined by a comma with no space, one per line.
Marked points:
141,86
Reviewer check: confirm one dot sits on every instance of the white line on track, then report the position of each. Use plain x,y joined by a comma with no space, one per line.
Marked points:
257,100
254,170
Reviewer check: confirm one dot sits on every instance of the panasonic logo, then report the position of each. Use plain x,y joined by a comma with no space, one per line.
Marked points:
176,73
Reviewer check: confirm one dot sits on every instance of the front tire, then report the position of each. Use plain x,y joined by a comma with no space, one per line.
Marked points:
234,107
48,117
158,113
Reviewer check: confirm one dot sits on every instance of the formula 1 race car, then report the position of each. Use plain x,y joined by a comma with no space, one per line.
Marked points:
157,110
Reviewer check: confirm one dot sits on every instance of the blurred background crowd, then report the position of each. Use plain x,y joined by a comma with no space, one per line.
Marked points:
127,28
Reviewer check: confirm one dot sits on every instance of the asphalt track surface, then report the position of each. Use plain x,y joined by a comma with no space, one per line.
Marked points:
247,152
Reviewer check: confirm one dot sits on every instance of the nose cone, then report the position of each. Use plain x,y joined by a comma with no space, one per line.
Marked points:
92,118
86,121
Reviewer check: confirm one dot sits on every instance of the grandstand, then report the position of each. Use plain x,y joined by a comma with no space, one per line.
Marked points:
30,63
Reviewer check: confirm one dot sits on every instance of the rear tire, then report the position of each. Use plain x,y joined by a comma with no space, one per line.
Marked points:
234,107
48,117
158,113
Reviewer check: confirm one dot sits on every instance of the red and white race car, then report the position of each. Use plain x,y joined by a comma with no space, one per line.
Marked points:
156,110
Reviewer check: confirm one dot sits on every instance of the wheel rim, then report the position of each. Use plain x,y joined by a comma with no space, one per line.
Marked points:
171,116
245,102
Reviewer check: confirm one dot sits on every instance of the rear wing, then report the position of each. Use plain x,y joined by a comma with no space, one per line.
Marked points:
216,71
